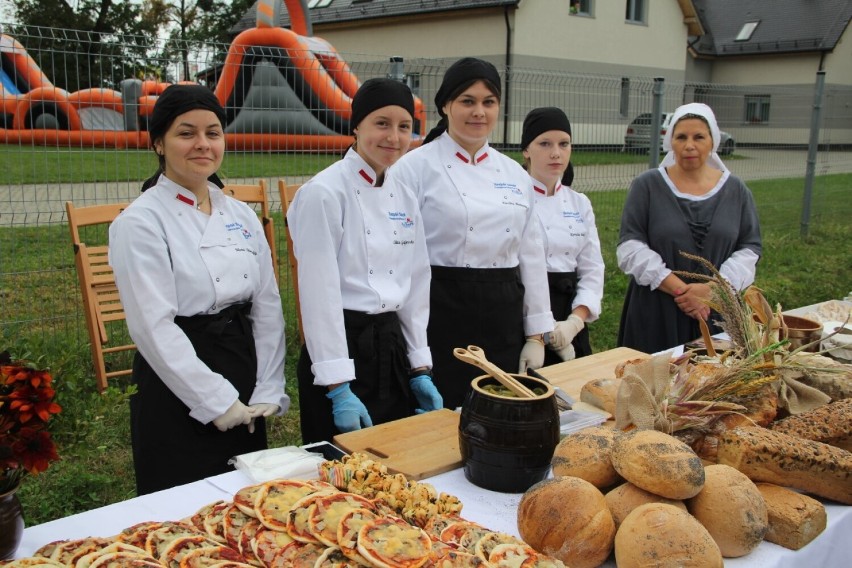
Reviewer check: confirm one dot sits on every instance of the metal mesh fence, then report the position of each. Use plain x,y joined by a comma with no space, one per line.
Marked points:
74,117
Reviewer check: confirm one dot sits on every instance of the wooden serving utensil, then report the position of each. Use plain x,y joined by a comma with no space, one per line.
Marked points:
708,340
476,356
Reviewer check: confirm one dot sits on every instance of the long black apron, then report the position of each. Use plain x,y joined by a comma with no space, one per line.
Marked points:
473,306
378,348
169,446
563,290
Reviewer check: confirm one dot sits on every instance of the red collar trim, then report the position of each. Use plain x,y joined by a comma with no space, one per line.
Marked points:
462,157
185,199
366,176
482,157
539,190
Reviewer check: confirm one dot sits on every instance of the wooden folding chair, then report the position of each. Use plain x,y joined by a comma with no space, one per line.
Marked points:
288,193
101,302
256,194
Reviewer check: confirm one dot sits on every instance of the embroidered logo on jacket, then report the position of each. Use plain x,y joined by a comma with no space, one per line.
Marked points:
508,186
407,222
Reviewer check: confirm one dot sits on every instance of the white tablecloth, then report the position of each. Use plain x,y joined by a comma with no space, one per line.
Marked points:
496,511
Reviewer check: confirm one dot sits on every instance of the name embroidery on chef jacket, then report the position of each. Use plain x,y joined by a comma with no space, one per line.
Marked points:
574,216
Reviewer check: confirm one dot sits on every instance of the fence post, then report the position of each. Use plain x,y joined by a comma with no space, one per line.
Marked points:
656,123
813,147
397,72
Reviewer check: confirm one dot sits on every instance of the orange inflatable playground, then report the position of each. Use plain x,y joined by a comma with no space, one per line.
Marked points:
283,90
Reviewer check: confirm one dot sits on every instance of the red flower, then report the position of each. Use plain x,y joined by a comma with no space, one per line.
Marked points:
29,401
36,449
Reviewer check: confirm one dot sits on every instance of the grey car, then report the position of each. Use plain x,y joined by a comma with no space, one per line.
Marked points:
637,138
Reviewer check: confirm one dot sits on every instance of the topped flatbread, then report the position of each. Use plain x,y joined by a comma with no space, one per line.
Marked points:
389,542
324,516
275,499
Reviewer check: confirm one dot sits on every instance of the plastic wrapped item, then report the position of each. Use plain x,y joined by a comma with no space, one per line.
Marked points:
288,462
839,345
574,420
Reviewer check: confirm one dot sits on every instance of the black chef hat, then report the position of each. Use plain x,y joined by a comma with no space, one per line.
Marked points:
178,99
544,119
541,120
374,94
464,71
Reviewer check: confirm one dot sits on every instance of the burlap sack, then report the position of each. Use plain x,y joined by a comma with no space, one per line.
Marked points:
643,389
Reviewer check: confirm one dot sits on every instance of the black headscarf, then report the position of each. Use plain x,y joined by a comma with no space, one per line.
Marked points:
377,93
463,72
175,101
544,119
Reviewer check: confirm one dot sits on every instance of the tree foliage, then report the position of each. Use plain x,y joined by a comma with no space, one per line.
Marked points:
98,43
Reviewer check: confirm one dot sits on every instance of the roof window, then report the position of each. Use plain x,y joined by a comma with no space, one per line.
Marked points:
746,31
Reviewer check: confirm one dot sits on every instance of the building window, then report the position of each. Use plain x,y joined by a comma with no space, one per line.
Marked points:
624,101
746,31
635,11
581,7
757,109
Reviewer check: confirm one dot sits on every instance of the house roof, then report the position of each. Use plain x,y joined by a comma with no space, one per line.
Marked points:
785,26
352,10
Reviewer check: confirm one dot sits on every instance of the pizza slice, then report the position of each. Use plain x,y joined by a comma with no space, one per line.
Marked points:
87,560
213,522
197,519
160,538
124,559
33,562
247,533
333,557
483,547
245,497
457,559
275,499
513,556
297,555
232,525
463,534
389,542
138,533
179,547
325,514
267,542
70,551
347,532
210,555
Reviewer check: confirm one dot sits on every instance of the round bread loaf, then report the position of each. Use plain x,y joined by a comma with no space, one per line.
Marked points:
586,454
567,518
732,509
658,463
661,535
626,497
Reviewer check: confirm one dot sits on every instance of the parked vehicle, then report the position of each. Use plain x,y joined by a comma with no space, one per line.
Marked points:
637,138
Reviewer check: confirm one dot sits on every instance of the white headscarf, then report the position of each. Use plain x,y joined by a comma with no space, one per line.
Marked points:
714,161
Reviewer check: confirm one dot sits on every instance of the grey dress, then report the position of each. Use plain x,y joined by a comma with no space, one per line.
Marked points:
713,228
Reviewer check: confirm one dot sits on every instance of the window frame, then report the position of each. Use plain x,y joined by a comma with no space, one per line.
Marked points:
586,8
756,109
636,12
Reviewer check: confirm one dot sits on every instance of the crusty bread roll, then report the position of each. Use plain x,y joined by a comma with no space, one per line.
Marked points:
731,509
601,393
661,535
626,497
794,519
830,424
658,463
581,538
775,457
586,454
621,367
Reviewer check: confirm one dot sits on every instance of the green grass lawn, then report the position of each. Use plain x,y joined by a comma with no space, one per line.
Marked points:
43,320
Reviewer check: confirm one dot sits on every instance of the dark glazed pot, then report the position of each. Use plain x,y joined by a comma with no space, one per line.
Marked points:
506,442
11,524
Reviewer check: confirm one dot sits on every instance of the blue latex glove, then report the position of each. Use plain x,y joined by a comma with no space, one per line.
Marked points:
426,393
348,410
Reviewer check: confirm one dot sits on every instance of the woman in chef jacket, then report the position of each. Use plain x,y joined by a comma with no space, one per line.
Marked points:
575,267
489,280
363,278
195,276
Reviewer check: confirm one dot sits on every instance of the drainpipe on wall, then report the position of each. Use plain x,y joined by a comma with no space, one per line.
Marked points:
507,81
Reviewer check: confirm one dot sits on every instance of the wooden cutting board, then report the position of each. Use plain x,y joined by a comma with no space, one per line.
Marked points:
418,446
570,376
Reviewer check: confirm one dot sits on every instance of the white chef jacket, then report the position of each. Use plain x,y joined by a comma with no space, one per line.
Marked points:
478,213
172,260
571,242
646,266
362,248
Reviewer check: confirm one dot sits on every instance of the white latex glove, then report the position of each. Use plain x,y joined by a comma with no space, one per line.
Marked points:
532,355
264,409
564,332
237,414
566,353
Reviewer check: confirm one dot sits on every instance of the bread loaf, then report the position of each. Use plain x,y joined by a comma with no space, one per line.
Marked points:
775,457
658,463
794,519
586,454
825,374
626,497
567,518
731,509
830,424
661,535
601,393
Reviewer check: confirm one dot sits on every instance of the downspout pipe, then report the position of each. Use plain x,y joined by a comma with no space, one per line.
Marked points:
507,90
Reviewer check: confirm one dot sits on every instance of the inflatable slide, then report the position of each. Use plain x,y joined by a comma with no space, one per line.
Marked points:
282,90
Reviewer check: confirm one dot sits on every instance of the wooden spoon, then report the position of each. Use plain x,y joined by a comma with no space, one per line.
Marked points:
476,356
